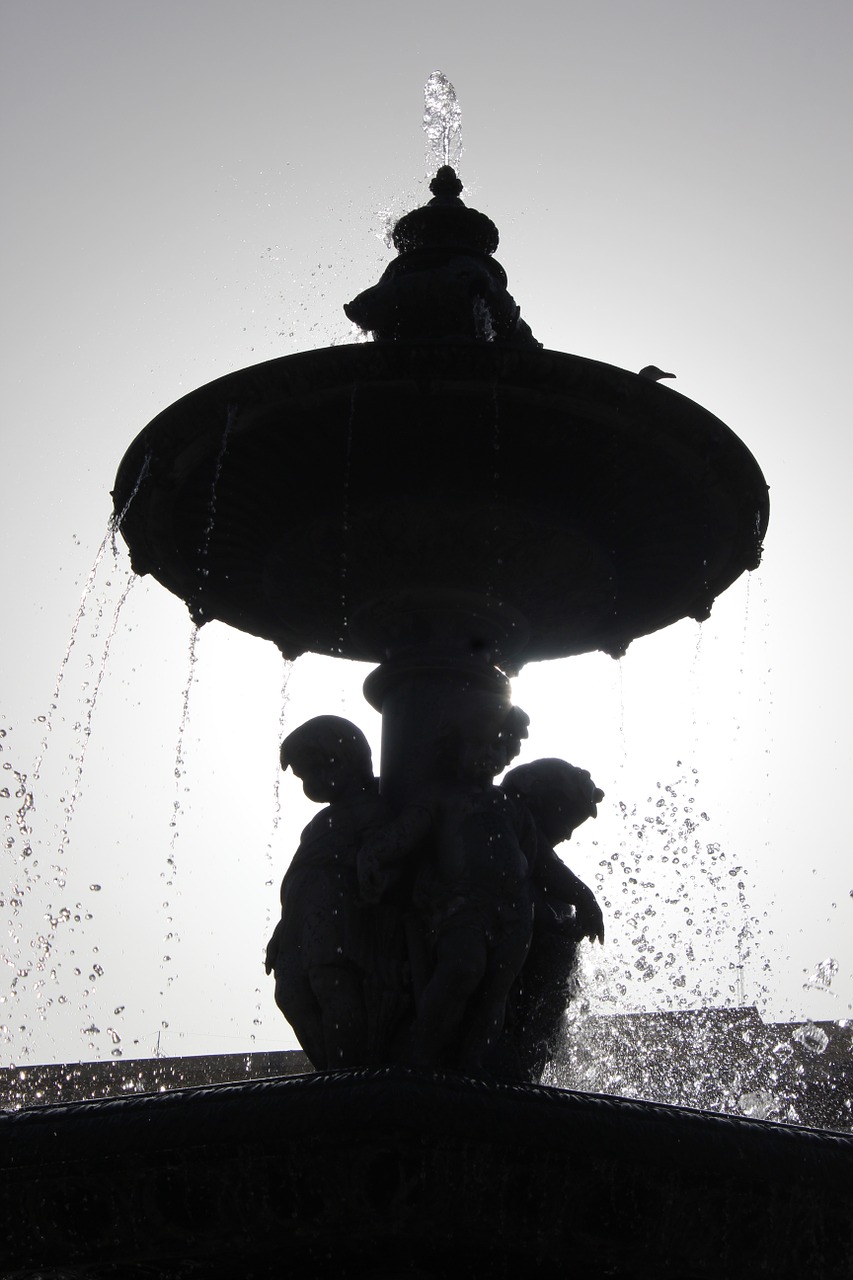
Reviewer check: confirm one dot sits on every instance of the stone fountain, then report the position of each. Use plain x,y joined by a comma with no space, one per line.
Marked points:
449,502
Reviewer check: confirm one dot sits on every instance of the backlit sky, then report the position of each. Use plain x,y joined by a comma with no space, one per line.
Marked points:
193,187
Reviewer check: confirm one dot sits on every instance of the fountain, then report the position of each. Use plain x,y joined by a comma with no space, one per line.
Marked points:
449,501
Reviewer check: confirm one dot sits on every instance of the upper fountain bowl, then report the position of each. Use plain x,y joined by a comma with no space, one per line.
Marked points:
286,498
346,501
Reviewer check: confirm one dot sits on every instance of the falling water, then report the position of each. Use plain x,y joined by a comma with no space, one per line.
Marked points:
180,760
622,735
117,518
114,525
60,675
261,995
197,611
91,703
287,671
442,123
172,937
39,887
196,605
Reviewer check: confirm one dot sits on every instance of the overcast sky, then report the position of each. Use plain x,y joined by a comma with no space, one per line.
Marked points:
193,187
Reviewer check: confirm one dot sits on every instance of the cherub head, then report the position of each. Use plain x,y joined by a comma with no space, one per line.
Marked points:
487,740
512,733
332,758
559,795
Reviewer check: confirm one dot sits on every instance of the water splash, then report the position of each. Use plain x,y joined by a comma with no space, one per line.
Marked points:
483,322
759,1104
118,517
726,1060
811,1037
672,1010
823,976
677,903
442,123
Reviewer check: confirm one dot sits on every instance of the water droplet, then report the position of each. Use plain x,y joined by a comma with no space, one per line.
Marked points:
821,979
759,1105
811,1037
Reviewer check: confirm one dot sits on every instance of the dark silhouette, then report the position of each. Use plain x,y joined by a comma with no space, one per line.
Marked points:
321,950
404,934
474,902
559,797
444,285
450,501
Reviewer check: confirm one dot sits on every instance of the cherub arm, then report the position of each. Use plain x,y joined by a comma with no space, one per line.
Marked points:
560,883
272,948
382,851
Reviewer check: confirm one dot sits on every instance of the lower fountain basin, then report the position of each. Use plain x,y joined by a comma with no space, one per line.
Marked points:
287,498
393,1172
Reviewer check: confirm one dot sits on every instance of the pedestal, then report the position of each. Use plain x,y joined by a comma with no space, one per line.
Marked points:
398,1173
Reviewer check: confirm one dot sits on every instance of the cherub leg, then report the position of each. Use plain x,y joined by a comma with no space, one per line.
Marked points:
461,956
294,997
339,991
488,1008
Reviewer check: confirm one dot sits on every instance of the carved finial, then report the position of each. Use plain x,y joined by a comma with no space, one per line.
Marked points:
445,286
446,185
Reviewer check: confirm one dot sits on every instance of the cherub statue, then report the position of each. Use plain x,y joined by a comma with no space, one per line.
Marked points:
558,797
323,949
473,898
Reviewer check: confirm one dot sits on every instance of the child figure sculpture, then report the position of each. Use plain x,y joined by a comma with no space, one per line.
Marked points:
559,797
321,950
474,901
409,936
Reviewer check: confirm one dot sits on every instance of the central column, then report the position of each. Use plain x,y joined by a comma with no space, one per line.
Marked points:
441,687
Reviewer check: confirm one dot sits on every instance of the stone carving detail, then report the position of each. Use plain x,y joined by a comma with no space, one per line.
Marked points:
443,933
444,285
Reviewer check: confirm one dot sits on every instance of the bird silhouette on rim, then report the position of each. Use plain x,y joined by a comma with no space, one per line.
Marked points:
653,373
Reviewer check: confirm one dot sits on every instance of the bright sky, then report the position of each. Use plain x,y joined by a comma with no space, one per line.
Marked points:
196,187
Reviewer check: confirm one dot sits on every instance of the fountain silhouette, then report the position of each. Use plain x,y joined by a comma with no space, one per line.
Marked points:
449,501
